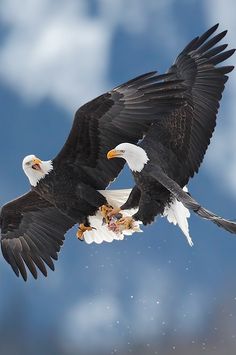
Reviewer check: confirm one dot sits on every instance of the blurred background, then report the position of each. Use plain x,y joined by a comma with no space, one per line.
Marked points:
151,293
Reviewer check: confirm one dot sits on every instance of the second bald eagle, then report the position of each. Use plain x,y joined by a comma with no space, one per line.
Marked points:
174,147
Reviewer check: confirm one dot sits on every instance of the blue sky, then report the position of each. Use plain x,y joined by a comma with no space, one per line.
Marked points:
152,287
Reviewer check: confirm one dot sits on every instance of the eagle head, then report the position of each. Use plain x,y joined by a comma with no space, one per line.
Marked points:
36,169
135,156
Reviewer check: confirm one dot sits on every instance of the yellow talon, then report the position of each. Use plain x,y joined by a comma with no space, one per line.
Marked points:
114,212
108,212
105,210
82,228
126,222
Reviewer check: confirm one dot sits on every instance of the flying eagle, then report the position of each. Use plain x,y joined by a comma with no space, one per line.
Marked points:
66,190
174,147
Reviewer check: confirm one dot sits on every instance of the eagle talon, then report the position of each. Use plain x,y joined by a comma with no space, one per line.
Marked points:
105,212
125,222
114,213
82,228
108,212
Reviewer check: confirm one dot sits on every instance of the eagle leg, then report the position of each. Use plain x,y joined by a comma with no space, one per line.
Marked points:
125,223
82,228
115,212
108,212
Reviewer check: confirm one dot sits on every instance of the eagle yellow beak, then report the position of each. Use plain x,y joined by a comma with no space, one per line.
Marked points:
37,161
114,154
36,164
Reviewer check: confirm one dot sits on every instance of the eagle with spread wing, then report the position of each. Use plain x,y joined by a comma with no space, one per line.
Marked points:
174,147
67,189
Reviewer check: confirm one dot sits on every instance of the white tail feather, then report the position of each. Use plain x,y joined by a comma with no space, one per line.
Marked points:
115,198
176,213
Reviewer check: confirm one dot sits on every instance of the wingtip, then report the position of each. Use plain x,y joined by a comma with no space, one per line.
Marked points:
224,33
16,270
230,52
35,276
52,266
44,272
214,27
230,68
16,273
24,274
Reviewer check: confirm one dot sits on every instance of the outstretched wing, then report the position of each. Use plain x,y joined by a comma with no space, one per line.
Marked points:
182,196
32,233
188,130
121,115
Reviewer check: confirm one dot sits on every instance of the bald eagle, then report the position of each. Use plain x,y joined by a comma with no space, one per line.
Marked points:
174,147
66,190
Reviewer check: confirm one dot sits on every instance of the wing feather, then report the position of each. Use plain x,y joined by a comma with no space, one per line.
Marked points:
32,233
189,129
121,115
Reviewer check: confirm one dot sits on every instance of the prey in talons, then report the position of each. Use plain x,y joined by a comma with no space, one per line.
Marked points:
126,222
108,212
123,223
116,221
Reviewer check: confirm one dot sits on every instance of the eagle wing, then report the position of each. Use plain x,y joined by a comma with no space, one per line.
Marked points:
121,115
32,233
188,130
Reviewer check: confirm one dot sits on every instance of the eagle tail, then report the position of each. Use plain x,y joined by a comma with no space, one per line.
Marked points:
228,225
189,202
116,198
178,214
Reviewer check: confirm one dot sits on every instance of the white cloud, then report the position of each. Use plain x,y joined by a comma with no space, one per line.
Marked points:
59,51
154,303
55,52
135,16
91,323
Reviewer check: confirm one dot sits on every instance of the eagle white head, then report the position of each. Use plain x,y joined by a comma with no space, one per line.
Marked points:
135,156
36,169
